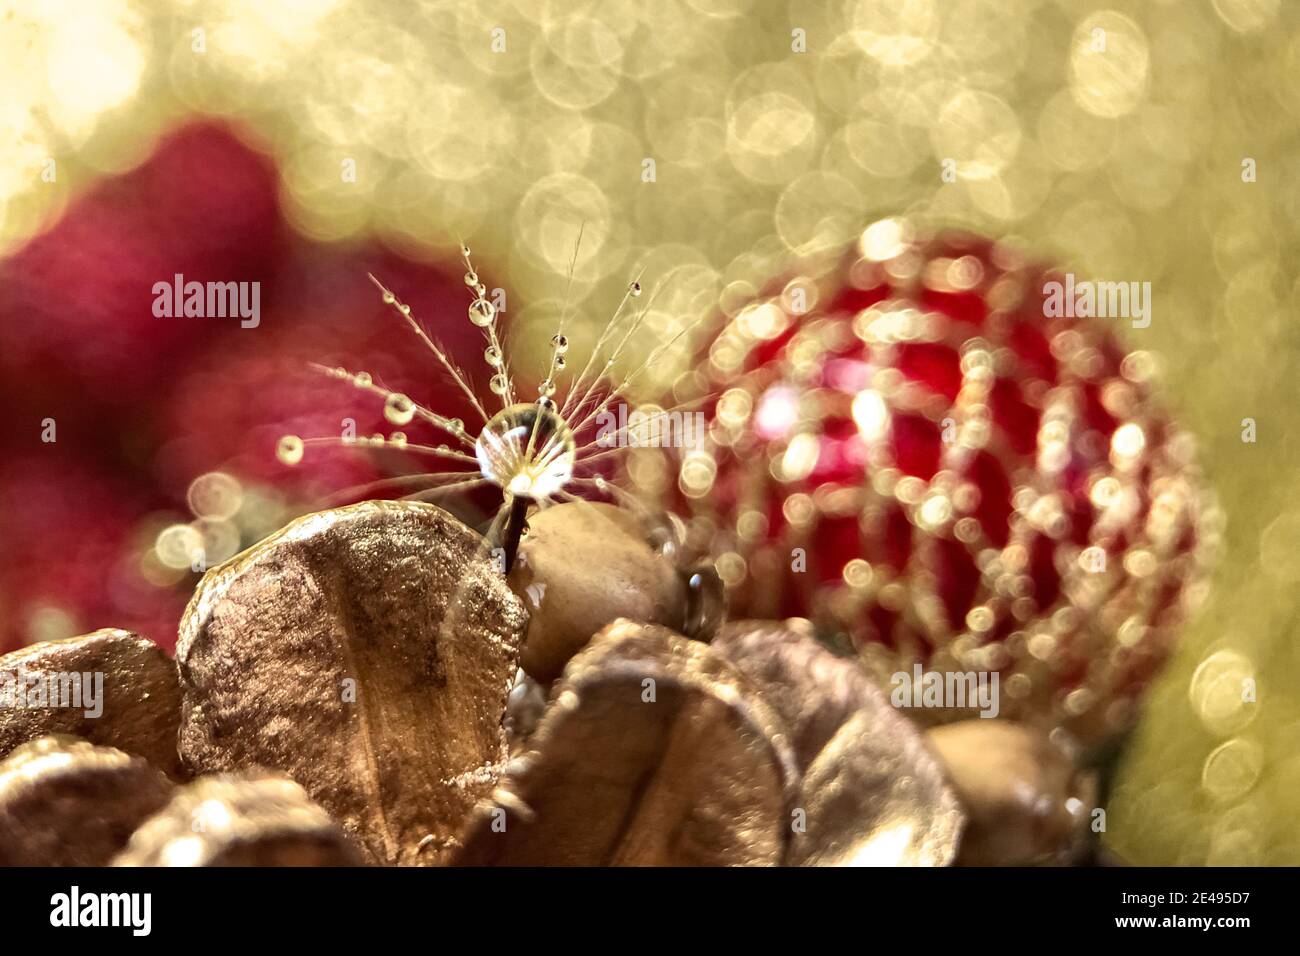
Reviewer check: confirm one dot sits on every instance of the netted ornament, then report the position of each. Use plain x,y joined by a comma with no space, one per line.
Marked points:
912,452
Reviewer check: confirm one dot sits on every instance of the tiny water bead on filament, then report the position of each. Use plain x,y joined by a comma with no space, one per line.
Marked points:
528,449
289,449
399,409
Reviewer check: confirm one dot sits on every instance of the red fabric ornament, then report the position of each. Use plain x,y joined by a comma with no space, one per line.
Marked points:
112,411
912,453
72,556
77,311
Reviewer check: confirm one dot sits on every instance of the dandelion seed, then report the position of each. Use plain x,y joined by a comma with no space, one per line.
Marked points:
525,449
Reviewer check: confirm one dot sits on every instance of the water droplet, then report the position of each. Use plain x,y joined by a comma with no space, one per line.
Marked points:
482,312
527,450
635,289
471,279
404,309
492,355
559,361
399,409
560,343
456,425
546,389
289,449
397,439
464,249
376,439
499,384
362,380
705,602
389,298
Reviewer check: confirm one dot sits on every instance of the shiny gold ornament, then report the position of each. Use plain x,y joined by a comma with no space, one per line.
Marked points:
113,688
872,793
367,652
255,819
580,567
66,802
865,807
1025,799
654,751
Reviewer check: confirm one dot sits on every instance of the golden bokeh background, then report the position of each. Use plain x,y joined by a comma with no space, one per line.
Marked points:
700,142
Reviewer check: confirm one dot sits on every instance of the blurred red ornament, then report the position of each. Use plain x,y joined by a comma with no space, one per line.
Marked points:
908,451
77,312
112,410
72,558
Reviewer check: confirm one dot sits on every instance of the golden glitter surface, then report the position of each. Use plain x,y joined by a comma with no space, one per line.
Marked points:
706,142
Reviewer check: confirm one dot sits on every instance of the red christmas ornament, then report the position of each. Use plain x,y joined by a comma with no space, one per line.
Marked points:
71,561
112,410
914,453
77,312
